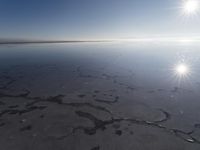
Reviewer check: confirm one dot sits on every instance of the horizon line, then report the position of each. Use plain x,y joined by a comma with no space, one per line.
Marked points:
147,39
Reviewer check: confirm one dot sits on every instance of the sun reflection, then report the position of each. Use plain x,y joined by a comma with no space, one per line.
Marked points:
182,72
181,69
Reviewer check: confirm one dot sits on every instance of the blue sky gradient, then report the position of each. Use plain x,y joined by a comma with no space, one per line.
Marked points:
94,19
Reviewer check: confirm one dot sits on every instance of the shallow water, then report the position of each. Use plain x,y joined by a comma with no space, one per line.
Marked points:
100,96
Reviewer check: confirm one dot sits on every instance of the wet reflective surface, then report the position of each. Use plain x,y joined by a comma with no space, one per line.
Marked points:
100,96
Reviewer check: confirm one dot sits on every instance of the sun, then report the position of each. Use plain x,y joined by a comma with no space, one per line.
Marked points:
190,6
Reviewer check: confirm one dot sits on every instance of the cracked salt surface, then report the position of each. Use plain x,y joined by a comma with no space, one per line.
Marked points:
45,103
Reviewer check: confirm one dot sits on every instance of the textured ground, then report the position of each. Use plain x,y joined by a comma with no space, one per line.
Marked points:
94,106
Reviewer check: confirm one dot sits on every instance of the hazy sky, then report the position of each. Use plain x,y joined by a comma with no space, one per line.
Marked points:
87,19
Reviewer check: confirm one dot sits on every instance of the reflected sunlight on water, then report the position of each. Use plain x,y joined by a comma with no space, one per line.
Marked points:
182,69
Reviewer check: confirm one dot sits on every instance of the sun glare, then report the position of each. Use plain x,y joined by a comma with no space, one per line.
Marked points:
190,6
182,70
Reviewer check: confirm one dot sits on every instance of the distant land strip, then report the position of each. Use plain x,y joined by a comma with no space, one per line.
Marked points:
43,42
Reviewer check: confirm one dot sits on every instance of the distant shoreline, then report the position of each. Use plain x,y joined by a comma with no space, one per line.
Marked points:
43,42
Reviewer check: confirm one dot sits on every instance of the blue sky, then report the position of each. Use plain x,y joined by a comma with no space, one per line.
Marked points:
94,19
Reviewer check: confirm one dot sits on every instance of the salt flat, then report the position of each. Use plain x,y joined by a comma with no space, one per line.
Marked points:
99,96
